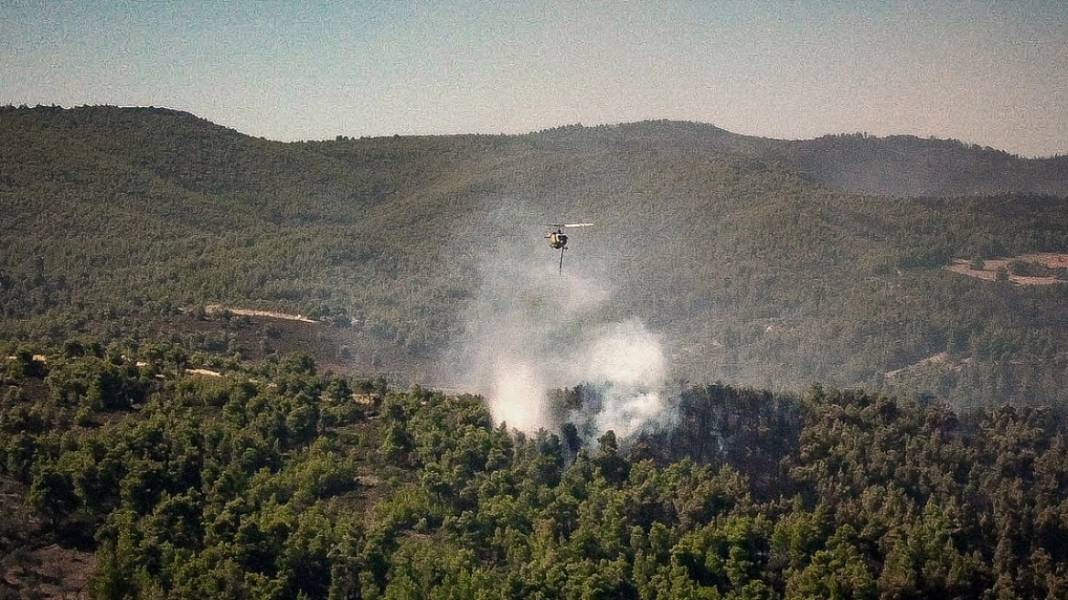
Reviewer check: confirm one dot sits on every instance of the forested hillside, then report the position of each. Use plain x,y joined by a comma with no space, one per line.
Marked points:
759,262
275,481
910,166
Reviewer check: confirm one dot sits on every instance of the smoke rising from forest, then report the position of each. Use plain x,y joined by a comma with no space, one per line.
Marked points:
530,329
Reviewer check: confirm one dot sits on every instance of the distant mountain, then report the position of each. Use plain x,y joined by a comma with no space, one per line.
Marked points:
858,163
910,166
765,262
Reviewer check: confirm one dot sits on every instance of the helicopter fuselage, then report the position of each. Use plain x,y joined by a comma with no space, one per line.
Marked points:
557,240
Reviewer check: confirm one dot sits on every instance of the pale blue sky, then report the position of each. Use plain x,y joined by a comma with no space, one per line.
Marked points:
989,73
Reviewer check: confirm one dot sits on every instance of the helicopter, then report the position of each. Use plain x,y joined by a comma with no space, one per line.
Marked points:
558,239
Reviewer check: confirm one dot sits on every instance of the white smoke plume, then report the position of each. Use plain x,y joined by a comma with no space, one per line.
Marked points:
531,329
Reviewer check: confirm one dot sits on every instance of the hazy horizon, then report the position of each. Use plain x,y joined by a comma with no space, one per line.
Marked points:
988,74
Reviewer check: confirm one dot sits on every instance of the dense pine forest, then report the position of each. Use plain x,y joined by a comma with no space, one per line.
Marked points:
278,481
760,262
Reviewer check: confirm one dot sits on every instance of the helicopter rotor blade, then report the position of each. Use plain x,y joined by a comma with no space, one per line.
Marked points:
577,225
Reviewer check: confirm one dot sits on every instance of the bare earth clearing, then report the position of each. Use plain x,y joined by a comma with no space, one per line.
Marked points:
30,560
991,266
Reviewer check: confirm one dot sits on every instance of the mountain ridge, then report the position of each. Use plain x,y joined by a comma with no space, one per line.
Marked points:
897,165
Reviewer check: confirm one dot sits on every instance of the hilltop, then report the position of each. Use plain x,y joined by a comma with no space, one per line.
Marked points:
763,262
899,165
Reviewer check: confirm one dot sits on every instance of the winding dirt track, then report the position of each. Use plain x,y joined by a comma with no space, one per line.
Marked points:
213,309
